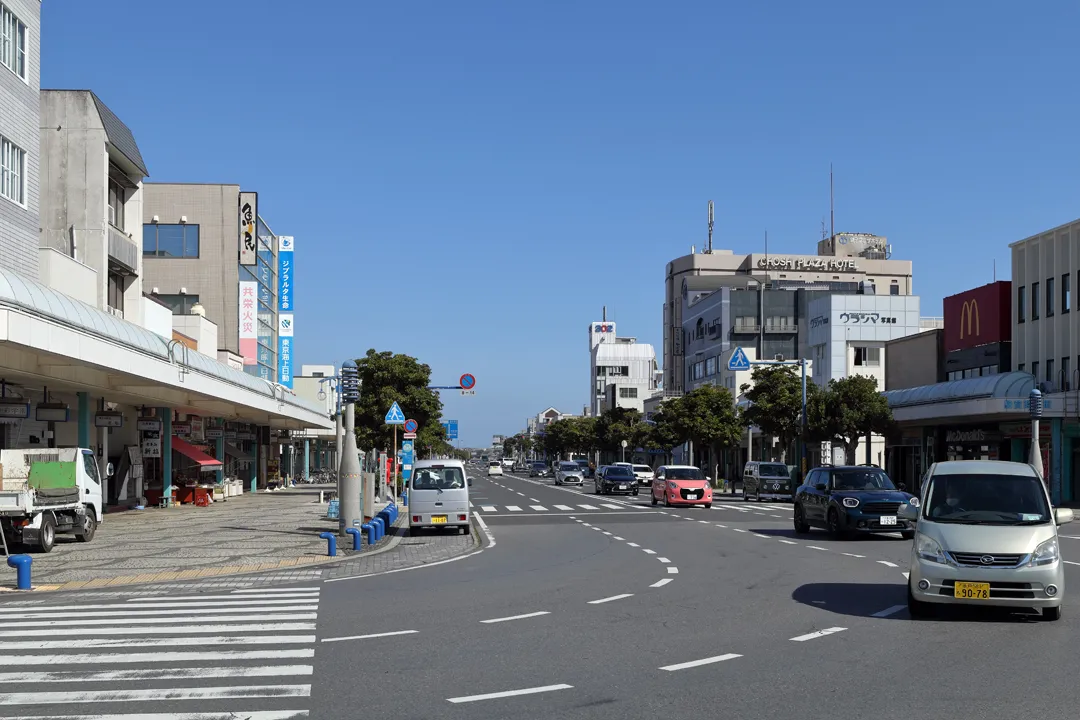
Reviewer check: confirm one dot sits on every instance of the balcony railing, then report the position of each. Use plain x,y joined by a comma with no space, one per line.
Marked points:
746,329
123,250
781,328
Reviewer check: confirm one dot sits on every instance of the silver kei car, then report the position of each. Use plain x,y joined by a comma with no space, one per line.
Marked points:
986,534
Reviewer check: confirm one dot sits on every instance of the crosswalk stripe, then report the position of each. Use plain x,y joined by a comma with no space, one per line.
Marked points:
128,612
513,508
167,657
587,507
197,693
564,508
260,591
613,507
246,605
257,715
171,630
489,508
298,595
539,508
179,621
143,674
193,640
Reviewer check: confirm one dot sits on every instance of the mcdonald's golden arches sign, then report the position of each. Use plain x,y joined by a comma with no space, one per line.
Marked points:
979,316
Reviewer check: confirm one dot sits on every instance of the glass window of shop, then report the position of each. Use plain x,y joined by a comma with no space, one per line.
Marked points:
264,272
972,444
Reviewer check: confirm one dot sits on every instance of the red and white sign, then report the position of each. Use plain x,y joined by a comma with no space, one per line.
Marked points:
409,436
248,323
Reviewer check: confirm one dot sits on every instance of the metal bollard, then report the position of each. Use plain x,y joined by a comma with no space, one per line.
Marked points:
22,564
356,539
380,528
370,529
385,517
331,543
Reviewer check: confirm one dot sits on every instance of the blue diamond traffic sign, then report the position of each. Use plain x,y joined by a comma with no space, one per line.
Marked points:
395,416
738,360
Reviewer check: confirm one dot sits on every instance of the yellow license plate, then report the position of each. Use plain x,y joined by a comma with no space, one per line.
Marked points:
972,590
436,519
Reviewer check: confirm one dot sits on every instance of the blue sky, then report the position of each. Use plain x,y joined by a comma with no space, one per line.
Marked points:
470,182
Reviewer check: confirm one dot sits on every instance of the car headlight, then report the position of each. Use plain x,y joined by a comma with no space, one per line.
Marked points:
672,486
914,502
927,548
1045,554
851,502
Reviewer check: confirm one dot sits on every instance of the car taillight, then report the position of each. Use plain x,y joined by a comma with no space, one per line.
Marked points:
463,518
416,518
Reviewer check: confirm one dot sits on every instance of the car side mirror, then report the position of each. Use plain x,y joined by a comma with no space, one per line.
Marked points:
821,487
1063,515
469,481
909,512
109,470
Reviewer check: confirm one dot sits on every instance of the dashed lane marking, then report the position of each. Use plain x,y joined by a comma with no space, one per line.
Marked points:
610,599
818,634
889,611
509,693
661,583
515,617
699,663
372,636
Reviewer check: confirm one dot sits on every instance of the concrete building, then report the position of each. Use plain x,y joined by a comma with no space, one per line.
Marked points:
315,448
192,240
846,262
622,371
20,120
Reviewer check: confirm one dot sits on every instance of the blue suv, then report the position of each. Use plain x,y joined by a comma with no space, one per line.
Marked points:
852,499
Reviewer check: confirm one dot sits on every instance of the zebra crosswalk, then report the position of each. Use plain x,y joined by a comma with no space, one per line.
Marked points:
557,508
246,653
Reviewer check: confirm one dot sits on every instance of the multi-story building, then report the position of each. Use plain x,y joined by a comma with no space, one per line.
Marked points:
978,338
846,262
208,244
622,371
20,120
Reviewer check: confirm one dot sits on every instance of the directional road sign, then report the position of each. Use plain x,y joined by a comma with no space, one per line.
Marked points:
411,426
407,446
468,381
395,416
451,430
738,360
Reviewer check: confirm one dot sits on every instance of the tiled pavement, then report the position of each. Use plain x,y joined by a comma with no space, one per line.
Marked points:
257,540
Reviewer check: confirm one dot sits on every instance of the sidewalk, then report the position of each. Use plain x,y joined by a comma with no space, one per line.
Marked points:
250,533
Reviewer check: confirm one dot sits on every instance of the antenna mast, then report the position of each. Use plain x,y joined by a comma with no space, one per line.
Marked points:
832,215
709,246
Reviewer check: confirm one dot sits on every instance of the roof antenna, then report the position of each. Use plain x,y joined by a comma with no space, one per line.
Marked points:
605,314
709,250
832,215
995,269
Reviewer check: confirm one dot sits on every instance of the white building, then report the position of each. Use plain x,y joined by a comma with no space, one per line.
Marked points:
622,371
847,337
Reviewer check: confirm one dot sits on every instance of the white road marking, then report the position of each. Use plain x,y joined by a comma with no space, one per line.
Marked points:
509,693
818,634
539,508
699,663
661,583
612,507
889,611
759,513
775,516
587,507
178,621
633,544
616,537
231,598
1071,537
181,673
520,493
372,636
513,508
533,500
512,617
196,641
489,508
564,508
126,611
170,630
133,695
1070,562
606,532
260,591
905,575
853,555
143,604
789,542
672,570
740,530
610,599
648,551
663,559
704,522
585,524
470,504
886,563
487,533
723,526
817,547
767,537
166,657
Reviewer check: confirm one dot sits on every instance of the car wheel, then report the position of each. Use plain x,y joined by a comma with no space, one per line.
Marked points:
667,501
745,497
918,609
89,527
1052,613
832,523
907,534
654,500
801,526
708,506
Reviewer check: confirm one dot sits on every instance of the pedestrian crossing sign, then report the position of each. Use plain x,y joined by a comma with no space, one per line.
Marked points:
738,360
395,416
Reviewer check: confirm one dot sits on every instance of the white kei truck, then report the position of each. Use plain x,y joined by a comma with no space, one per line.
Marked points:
48,491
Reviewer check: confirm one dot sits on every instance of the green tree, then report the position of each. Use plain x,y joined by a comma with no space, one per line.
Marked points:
585,437
511,445
386,378
560,436
708,418
666,430
776,403
848,410
620,424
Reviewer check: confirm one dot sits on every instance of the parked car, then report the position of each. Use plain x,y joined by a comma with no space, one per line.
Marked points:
495,468
615,479
767,481
851,498
987,534
681,485
586,471
439,496
568,473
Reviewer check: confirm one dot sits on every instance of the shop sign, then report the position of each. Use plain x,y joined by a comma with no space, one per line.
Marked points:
151,444
198,427
971,436
807,263
819,321
214,433
181,428
1016,430
111,419
862,318
1017,404
249,214
18,411
148,424
230,435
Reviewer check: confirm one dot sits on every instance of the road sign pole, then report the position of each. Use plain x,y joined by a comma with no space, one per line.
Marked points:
802,364
350,507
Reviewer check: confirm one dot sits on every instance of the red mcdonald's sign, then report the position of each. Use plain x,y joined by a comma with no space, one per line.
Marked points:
978,316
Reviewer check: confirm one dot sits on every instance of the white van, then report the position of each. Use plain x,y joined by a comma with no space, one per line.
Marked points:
439,495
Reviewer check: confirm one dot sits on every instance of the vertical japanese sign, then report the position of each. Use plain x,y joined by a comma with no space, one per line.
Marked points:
285,273
247,325
285,350
249,218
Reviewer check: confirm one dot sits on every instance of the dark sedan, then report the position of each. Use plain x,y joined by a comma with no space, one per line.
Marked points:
616,479
852,499
538,469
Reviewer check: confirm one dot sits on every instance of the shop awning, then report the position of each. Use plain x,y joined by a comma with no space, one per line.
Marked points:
238,453
204,461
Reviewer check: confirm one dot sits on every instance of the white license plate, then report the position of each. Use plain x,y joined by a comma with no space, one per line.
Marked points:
691,496
888,520
622,487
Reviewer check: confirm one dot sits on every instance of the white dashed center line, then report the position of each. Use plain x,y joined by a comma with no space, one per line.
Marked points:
648,551
818,634
817,547
610,599
633,544
663,560
739,530
853,555
886,563
672,570
789,542
699,663
516,617
509,693
661,583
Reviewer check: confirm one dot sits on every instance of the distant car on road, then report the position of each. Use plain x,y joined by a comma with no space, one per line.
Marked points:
681,485
495,468
851,498
586,471
615,479
767,481
538,469
568,473
643,473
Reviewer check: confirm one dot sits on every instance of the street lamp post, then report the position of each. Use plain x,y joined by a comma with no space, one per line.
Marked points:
349,472
1035,409
624,444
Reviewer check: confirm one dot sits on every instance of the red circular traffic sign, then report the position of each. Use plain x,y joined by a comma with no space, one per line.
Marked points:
411,425
467,381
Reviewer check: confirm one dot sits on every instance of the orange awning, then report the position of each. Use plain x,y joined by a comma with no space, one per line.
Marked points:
193,453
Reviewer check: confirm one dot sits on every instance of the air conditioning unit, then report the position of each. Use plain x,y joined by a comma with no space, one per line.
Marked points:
115,311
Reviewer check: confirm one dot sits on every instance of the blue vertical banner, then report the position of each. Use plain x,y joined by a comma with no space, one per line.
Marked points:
285,349
285,274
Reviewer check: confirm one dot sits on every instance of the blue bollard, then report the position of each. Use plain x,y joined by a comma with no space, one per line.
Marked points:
331,543
380,528
370,532
356,540
22,564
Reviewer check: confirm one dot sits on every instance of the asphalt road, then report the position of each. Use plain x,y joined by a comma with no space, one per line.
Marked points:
613,610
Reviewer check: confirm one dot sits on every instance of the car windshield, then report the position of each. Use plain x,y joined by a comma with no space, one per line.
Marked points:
684,474
617,471
642,469
583,463
493,464
569,467
438,478
861,479
774,471
539,465
987,499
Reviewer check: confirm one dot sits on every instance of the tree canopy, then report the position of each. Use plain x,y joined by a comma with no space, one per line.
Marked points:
848,410
386,378
775,402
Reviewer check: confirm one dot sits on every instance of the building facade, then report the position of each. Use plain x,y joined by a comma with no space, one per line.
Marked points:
846,260
622,372
20,120
978,338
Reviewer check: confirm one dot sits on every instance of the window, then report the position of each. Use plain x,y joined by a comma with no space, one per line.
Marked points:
171,241
894,289
180,304
1034,301
116,204
710,366
12,43
1035,370
1066,376
1021,303
628,392
1020,367
868,356
1066,293
700,329
1049,297
1049,371
116,291
697,371
12,172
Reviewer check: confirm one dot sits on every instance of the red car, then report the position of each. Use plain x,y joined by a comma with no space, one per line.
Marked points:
681,485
